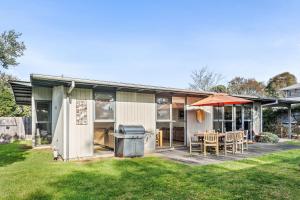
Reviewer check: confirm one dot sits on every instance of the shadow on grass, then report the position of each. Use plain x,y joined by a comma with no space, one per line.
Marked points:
153,178
39,195
11,153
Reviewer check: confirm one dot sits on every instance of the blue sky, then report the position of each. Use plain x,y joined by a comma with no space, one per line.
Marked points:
155,42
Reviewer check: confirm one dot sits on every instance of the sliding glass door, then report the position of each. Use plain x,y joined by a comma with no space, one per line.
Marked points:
163,121
232,117
238,117
228,118
170,121
178,121
43,115
104,123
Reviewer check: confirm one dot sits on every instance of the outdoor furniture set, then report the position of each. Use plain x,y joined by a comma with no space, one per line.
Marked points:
233,142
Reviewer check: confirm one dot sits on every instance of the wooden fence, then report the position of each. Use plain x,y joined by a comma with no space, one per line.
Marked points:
16,126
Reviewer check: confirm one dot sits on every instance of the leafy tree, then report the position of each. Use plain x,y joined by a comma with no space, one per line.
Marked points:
219,89
7,106
204,80
10,48
244,86
280,81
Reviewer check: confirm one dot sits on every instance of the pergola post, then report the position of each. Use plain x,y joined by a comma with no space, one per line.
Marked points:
289,121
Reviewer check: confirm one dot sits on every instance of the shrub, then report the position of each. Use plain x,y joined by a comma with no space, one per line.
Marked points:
267,137
296,130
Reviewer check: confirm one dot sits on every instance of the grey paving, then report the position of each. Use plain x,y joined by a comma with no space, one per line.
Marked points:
257,149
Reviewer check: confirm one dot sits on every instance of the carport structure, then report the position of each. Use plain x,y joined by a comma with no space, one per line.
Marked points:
281,103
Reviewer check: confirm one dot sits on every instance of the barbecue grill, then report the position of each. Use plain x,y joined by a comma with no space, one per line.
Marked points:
129,141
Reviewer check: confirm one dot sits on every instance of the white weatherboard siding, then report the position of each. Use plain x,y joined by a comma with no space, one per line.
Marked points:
57,118
80,136
42,93
257,117
193,125
137,109
38,94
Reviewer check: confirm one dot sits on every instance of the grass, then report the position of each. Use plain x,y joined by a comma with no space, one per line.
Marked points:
32,174
293,142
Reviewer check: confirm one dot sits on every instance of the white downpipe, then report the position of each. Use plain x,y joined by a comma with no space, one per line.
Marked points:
71,87
66,121
65,129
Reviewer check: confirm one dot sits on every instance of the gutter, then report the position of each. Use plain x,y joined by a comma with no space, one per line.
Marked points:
270,104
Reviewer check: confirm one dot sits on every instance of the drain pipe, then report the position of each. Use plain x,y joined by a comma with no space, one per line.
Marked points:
71,88
66,120
270,104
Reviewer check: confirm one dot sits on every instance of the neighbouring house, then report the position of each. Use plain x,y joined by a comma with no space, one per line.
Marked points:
79,117
292,92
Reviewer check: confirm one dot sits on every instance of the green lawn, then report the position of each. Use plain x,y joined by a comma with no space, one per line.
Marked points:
31,174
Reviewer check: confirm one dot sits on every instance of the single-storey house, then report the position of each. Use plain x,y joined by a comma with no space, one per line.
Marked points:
79,116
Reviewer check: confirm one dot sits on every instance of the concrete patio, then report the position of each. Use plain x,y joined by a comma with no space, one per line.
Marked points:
256,149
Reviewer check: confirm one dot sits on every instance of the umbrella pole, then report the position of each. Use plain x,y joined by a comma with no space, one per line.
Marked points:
219,115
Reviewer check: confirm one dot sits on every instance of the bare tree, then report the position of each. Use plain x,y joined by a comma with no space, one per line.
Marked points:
204,80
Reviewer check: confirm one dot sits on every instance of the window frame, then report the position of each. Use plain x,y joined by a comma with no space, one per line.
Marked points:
114,105
223,121
170,109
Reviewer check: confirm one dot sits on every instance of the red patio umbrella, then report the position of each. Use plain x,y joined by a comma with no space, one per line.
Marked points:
221,99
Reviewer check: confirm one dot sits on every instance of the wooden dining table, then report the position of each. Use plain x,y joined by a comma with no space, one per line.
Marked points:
201,135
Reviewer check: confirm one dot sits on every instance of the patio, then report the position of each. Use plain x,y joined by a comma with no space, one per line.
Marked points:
257,149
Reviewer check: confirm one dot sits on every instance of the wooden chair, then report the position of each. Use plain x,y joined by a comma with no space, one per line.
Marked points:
211,139
239,141
159,138
229,142
246,136
195,143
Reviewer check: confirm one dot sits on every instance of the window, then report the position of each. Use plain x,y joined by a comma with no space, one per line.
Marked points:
218,113
218,118
238,118
228,118
43,125
218,126
225,119
163,108
104,106
43,111
288,93
247,113
228,113
296,93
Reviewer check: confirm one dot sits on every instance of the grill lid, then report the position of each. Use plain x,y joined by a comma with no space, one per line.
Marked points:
131,129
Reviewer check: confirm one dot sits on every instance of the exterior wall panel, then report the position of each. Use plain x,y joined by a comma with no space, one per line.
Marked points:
193,125
137,109
57,118
42,93
80,136
257,117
